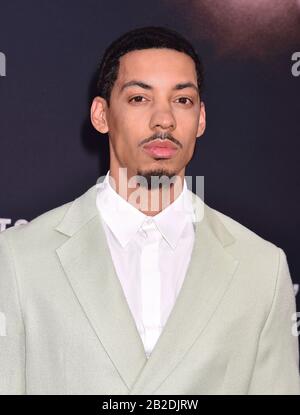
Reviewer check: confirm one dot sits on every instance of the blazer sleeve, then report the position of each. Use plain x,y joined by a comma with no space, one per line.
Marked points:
276,370
12,333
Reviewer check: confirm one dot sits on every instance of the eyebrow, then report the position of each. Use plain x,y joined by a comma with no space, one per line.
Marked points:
149,87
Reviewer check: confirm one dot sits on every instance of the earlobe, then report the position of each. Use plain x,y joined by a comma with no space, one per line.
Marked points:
98,115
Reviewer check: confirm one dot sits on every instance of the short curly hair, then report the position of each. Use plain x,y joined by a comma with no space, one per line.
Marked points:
137,39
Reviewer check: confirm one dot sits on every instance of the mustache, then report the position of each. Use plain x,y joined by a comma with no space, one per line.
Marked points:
161,136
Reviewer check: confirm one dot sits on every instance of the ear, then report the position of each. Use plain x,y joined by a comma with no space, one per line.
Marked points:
99,114
202,120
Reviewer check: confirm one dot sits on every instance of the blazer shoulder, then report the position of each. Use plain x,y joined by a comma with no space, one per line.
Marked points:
241,233
261,262
46,222
40,234
255,252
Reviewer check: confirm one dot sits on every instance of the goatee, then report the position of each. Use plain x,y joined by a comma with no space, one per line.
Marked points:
159,178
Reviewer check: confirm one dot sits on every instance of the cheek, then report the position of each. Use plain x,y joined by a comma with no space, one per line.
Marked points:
126,135
186,131
187,125
128,123
135,128
119,130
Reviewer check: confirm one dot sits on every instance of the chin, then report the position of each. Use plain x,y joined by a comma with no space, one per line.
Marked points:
157,177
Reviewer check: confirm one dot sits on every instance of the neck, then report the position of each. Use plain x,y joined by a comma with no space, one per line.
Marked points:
148,200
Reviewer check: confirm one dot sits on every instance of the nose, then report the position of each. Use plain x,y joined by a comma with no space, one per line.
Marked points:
163,117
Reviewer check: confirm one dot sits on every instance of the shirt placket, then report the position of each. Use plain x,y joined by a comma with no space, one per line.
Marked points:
150,286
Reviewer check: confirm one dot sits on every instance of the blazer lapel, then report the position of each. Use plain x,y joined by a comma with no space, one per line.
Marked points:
87,263
208,277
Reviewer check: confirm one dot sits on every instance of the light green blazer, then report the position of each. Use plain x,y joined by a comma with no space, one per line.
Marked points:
66,328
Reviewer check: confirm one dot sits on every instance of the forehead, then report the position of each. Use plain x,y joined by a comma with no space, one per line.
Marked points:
156,66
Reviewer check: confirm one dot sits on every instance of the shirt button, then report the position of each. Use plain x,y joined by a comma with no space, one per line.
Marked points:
148,227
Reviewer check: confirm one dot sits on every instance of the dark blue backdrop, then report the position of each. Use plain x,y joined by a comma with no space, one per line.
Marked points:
249,154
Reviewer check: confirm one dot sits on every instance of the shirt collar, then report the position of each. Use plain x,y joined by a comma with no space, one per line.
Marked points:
124,220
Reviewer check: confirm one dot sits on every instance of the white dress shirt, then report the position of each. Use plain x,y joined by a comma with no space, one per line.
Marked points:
150,254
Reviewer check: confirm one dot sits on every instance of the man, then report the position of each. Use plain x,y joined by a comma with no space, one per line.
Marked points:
138,286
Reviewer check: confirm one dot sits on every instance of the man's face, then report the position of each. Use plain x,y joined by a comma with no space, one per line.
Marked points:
155,96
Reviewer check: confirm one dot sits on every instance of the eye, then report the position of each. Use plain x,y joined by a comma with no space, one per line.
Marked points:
137,98
185,99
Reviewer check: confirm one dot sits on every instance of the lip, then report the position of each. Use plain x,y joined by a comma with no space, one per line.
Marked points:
160,149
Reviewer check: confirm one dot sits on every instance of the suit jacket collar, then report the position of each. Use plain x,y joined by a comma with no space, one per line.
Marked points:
86,261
